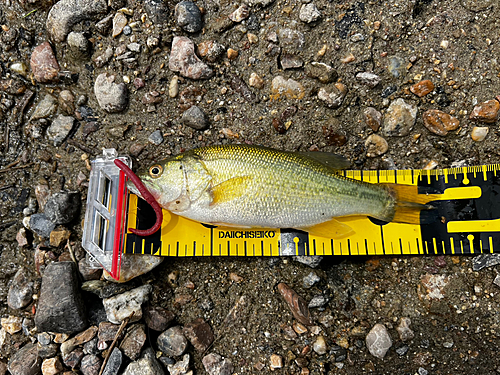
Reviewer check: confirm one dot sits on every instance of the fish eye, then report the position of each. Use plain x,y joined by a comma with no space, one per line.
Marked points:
155,171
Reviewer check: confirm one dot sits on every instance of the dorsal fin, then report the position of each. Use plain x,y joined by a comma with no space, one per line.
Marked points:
328,159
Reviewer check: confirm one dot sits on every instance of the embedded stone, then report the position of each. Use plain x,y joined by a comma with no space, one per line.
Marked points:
44,64
486,112
422,88
439,122
184,60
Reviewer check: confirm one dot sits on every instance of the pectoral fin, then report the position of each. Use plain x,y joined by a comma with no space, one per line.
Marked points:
330,229
230,189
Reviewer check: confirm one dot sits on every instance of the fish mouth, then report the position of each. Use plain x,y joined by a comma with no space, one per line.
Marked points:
133,189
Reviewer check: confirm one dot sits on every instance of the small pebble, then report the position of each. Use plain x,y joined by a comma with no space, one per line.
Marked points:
375,146
44,64
214,364
184,60
321,71
405,333
319,345
309,13
439,122
173,87
156,138
486,112
78,42
255,81
422,88
276,362
211,50
399,118
378,341
281,87
232,54
317,301
369,79
111,96
12,324
310,280
188,16
333,96
119,23
240,14
172,342
373,118
52,366
479,133
195,118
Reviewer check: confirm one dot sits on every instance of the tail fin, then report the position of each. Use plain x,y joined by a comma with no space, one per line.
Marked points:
409,203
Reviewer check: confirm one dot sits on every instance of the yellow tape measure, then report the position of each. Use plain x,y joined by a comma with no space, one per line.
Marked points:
466,220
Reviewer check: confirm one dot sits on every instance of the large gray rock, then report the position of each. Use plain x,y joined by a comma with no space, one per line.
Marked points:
65,13
61,307
188,16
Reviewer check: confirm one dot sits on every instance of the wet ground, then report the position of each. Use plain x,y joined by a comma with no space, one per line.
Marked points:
453,44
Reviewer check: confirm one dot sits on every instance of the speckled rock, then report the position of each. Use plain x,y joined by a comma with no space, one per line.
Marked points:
369,79
312,261
41,225
373,118
180,367
62,207
214,364
184,60
146,365
439,122
45,108
188,16
255,81
422,88
81,338
91,364
65,13
44,64
240,14
133,341
135,265
309,13
195,118
156,10
399,118
291,40
211,50
333,96
123,305
172,342
20,290
112,97
378,341
486,112
156,138
375,146
60,129
114,363
25,361
288,88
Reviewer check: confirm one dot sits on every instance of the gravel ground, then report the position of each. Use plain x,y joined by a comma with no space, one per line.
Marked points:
387,84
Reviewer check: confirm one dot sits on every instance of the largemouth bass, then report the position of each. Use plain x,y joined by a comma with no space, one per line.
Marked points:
251,186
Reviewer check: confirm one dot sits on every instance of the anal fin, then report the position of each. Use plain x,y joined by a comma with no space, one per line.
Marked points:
330,229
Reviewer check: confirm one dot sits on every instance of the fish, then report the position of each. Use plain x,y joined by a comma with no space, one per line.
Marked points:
248,186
